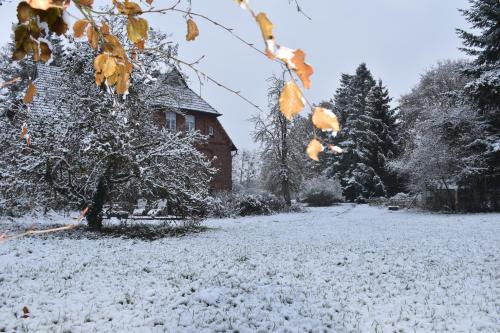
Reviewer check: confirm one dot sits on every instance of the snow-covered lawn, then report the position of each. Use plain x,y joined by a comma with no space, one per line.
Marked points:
339,269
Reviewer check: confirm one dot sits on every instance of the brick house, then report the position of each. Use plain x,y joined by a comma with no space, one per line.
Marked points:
183,110
186,111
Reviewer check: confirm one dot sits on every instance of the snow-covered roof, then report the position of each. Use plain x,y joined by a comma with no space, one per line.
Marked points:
179,95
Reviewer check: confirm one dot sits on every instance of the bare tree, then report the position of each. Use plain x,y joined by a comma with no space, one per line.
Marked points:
282,145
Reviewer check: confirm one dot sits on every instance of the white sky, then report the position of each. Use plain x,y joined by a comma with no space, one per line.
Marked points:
398,39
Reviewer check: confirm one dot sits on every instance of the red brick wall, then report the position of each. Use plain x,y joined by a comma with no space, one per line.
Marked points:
219,145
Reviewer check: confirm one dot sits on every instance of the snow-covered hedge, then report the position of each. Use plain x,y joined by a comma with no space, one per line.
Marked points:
322,191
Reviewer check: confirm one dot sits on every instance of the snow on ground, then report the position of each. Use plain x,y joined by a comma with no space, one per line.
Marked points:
338,269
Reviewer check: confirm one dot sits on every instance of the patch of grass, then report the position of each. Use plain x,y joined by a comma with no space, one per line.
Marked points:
137,231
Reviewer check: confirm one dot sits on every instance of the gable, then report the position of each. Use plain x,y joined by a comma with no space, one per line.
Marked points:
180,96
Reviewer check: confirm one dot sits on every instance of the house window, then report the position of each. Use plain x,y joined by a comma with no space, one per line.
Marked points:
210,131
171,121
190,123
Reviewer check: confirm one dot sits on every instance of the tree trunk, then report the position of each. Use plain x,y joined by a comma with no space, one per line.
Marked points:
285,189
94,217
450,196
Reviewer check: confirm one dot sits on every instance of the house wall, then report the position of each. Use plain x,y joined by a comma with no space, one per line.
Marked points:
219,146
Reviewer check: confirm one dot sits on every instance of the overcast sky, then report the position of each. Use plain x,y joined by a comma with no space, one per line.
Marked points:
398,39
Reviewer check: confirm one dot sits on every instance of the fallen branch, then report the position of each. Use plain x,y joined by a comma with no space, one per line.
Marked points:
14,80
5,237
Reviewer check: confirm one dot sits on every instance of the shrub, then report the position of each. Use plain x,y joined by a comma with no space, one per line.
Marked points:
322,192
249,203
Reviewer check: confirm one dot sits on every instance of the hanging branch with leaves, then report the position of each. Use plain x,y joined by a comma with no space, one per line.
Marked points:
114,62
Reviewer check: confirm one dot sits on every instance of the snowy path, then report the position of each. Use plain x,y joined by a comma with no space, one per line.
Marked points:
339,269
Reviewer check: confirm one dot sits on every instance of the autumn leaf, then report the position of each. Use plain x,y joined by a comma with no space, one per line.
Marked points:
137,29
93,37
266,27
40,4
26,312
24,12
291,100
313,149
86,3
109,67
192,30
149,2
325,120
123,81
45,52
128,8
105,28
295,60
303,69
30,93
79,28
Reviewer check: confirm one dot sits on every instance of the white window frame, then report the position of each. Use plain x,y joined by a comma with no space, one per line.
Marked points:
171,120
211,130
190,122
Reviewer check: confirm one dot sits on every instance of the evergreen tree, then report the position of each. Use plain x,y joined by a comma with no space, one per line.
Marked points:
368,137
484,16
384,126
353,168
484,46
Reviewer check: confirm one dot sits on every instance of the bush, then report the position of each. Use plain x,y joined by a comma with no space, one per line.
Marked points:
249,203
322,192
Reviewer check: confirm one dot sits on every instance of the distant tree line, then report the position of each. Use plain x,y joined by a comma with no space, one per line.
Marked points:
443,136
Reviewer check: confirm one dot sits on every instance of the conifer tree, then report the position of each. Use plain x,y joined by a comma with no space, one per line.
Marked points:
384,126
484,46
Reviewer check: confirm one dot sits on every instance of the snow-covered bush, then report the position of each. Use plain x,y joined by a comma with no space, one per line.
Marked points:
322,191
249,203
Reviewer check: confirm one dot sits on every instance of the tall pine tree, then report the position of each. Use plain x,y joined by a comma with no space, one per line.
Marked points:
367,137
484,46
384,126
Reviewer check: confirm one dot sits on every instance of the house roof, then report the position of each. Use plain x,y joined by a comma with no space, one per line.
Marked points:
180,95
175,91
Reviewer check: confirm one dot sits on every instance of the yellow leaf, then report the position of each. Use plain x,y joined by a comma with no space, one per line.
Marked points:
303,69
109,67
137,29
30,93
266,27
128,8
79,28
93,37
313,149
123,80
291,100
192,30
325,120
99,62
